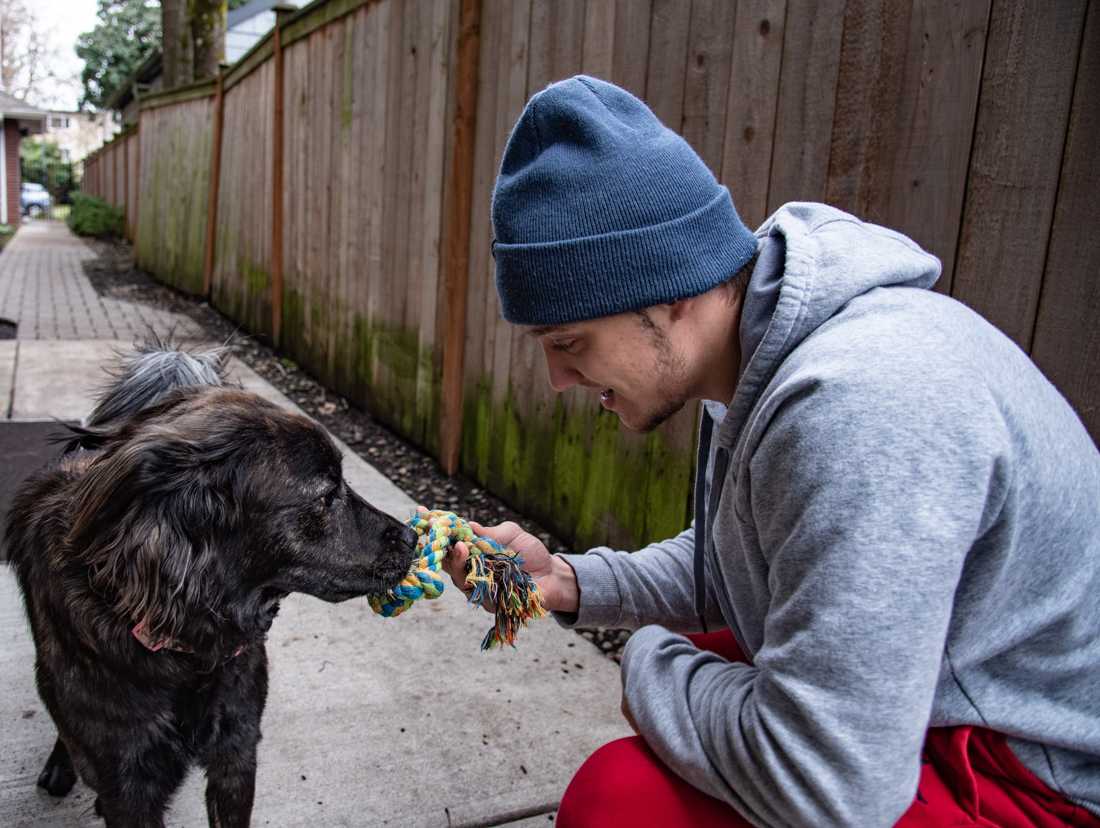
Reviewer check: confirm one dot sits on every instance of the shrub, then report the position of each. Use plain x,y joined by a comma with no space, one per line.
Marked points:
92,216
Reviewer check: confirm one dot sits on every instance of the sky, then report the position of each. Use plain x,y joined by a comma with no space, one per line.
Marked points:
65,20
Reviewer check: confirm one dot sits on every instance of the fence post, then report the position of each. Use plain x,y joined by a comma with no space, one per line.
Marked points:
277,195
137,173
215,181
126,189
456,234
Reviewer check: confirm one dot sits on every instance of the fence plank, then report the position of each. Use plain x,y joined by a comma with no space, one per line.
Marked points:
1031,57
631,49
751,105
1067,336
212,190
479,325
175,175
280,196
513,97
668,45
461,115
706,84
807,94
598,50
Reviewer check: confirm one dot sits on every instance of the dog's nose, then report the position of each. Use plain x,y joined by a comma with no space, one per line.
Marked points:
402,535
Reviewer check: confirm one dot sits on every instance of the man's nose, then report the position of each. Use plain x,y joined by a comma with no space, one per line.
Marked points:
562,376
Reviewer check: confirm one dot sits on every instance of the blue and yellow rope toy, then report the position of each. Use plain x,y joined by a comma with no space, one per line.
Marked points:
492,571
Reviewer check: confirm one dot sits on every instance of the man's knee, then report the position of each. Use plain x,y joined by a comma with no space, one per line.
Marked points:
624,783
607,784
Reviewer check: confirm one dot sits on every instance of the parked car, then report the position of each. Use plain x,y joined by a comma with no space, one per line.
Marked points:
35,200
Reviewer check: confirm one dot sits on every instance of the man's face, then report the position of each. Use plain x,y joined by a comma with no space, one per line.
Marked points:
628,360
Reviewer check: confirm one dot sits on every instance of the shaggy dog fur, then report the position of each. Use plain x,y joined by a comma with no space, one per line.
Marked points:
152,558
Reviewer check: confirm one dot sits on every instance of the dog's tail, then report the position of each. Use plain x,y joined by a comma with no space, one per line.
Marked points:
156,367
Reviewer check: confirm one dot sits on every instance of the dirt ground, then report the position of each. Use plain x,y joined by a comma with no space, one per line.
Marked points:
113,274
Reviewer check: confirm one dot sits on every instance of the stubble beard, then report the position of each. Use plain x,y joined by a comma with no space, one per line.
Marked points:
669,382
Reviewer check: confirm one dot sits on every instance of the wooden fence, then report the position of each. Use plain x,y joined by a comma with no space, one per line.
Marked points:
331,191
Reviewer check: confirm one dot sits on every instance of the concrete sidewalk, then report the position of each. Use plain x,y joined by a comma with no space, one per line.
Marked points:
369,721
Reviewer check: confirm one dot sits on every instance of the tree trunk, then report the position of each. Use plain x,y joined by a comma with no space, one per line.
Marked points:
177,48
208,22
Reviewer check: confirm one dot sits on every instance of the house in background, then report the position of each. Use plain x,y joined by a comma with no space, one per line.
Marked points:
78,133
245,26
19,119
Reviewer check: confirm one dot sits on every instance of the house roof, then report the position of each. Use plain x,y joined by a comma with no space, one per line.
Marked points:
253,8
12,107
147,72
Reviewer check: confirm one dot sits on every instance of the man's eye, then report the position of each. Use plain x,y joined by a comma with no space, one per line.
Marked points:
565,345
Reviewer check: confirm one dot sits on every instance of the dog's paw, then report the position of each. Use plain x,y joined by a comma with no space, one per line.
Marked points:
57,778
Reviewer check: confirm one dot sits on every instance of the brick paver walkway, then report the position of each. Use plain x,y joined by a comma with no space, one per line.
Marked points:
44,290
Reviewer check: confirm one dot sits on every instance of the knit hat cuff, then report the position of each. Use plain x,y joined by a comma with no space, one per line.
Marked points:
551,283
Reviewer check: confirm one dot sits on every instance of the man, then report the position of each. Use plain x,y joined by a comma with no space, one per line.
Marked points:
896,514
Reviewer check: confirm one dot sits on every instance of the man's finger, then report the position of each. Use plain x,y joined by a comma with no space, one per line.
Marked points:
455,563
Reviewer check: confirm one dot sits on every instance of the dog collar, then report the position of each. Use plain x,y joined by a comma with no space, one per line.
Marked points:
141,633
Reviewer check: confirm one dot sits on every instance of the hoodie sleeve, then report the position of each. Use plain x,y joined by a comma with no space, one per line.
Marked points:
654,585
865,498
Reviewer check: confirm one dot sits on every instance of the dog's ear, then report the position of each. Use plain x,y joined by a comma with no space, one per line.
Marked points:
144,521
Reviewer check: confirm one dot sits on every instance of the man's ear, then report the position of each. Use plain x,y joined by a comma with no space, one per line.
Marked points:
682,309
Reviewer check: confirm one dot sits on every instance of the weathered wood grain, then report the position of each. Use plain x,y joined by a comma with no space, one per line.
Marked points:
1023,110
1066,344
751,105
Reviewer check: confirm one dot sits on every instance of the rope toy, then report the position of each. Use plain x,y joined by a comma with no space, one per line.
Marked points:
492,571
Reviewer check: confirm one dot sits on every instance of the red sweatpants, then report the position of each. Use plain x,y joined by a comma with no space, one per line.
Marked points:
968,777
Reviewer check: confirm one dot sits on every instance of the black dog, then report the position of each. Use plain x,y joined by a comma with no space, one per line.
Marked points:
152,558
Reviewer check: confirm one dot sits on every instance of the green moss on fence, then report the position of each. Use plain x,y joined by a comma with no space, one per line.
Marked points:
576,471
399,379
256,279
348,86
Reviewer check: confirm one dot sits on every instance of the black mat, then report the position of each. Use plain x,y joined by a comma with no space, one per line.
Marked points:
24,448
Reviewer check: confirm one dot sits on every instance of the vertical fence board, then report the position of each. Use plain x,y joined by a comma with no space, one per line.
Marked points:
750,117
631,44
707,78
175,156
1067,336
502,437
1031,58
871,70
480,325
374,182
442,32
909,80
668,46
241,282
598,49
807,93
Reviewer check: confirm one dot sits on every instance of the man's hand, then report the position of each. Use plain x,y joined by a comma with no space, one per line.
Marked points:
555,578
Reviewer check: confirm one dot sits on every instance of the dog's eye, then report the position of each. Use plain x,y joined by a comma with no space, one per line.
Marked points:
330,496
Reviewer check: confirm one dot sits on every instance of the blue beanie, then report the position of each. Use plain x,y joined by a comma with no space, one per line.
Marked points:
600,209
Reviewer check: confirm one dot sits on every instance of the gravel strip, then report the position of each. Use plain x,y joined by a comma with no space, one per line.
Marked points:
114,275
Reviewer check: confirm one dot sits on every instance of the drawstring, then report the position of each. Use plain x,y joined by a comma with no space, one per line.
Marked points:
700,564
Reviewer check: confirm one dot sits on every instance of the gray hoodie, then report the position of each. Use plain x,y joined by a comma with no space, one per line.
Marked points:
902,534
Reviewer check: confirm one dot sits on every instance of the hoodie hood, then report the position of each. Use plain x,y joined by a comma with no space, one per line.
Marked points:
813,260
